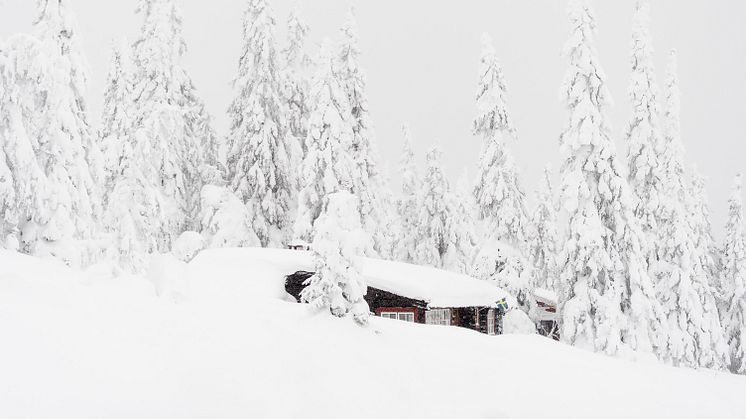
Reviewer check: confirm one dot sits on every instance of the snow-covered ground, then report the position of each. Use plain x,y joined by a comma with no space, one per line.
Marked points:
222,341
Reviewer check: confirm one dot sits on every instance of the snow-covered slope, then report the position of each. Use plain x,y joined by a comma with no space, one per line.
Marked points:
76,345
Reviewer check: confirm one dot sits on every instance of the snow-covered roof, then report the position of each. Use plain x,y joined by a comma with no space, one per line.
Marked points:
298,243
546,295
437,287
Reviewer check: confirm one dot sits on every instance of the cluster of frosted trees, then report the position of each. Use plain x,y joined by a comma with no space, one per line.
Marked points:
633,262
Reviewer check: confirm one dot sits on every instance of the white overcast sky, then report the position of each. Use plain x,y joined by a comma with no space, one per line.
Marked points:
421,59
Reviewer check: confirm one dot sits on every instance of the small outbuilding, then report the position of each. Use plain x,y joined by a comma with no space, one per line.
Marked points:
546,313
298,245
426,295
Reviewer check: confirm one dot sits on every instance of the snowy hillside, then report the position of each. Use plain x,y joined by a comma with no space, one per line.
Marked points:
81,345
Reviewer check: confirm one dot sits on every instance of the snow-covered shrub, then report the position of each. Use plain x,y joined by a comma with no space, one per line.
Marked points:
224,219
169,276
517,322
338,244
186,247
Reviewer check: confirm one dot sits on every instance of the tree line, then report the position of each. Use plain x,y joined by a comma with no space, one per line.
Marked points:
625,243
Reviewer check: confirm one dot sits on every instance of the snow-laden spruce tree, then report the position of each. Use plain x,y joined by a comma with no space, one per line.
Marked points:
225,220
734,278
259,142
338,244
683,288
116,122
608,302
434,221
544,238
643,132
408,203
296,84
368,182
170,151
499,197
704,243
463,237
329,166
50,156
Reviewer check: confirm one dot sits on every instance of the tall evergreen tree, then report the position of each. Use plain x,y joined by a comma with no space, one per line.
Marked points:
116,117
695,333
329,166
734,277
408,203
643,132
368,182
296,85
51,159
544,240
434,229
463,238
167,154
260,149
607,299
500,199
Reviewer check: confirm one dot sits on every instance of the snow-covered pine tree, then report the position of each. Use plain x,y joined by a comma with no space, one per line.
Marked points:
607,298
50,156
704,243
22,180
368,183
338,243
296,85
643,132
168,154
116,124
734,279
408,203
260,150
499,197
328,166
434,221
544,239
695,333
463,237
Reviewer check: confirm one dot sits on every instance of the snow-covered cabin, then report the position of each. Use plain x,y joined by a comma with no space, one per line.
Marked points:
426,295
546,313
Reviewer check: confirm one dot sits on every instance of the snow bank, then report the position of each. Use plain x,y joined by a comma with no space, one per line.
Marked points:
78,348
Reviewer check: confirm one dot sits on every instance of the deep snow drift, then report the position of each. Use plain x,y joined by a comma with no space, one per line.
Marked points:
227,344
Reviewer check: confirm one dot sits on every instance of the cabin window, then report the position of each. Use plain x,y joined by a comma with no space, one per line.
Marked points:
407,317
438,316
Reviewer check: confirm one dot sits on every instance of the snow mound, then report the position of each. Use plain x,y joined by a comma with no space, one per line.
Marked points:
110,348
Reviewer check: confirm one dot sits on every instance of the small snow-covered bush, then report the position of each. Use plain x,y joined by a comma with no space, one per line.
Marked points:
186,247
225,219
516,322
